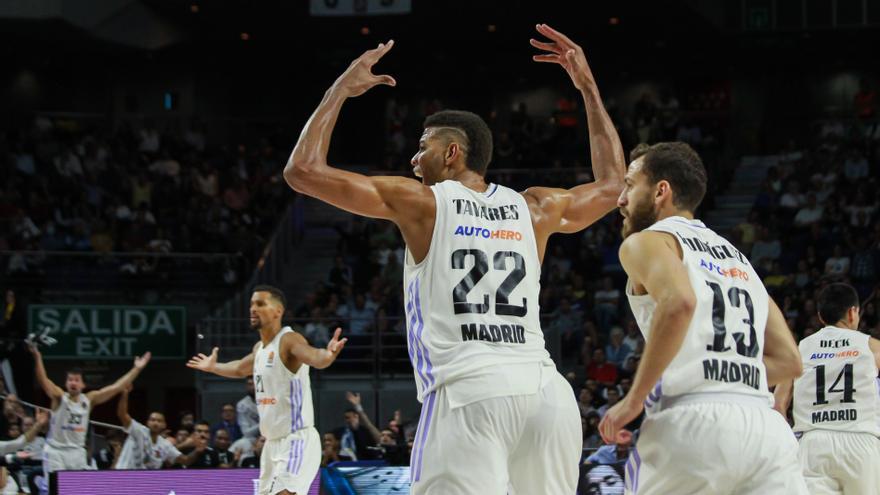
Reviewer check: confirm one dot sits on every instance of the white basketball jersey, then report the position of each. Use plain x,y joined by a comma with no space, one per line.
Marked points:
69,423
472,303
284,398
723,350
140,452
838,390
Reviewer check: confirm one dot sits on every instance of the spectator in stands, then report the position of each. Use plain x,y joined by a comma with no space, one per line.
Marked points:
227,422
359,434
855,168
361,316
607,302
837,266
616,350
208,457
225,457
332,451
766,248
585,402
246,411
601,370
613,454
252,460
590,427
613,394
633,334
810,213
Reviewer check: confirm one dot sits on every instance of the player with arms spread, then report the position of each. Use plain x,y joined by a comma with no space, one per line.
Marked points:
496,415
66,441
280,364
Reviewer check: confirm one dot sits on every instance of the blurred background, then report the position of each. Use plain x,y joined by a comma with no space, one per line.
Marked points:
141,197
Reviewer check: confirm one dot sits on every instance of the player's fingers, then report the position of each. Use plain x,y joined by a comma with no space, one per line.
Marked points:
386,79
337,333
215,351
201,356
554,59
341,344
554,35
550,47
373,56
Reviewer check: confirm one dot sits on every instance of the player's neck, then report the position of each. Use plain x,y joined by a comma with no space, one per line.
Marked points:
674,212
471,180
843,324
267,334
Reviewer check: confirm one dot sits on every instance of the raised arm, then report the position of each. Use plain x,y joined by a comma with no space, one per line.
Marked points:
102,395
355,400
571,210
652,259
122,407
41,419
53,391
239,368
781,356
296,346
308,172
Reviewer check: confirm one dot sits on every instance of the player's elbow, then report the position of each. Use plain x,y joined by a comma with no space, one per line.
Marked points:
682,306
609,192
297,173
793,366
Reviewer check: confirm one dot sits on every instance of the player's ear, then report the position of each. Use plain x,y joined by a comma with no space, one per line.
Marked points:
662,189
452,151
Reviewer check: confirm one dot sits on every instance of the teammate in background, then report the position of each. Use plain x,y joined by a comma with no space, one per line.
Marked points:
492,400
66,441
836,402
280,364
715,341
145,447
16,444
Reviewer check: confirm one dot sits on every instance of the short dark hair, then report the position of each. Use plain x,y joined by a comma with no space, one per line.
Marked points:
276,293
479,137
834,301
351,410
75,371
203,423
678,164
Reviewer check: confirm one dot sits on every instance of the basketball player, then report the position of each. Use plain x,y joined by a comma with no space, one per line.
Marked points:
280,364
714,341
836,405
496,415
66,441
145,447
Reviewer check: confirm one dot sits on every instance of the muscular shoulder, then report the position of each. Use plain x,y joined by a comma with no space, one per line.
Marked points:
292,339
405,195
648,242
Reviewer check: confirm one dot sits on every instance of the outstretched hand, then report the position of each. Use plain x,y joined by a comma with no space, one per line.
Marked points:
561,50
336,344
202,362
359,77
140,362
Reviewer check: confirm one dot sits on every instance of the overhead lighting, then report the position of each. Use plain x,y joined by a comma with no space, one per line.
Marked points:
614,21
365,30
245,36
491,28
194,8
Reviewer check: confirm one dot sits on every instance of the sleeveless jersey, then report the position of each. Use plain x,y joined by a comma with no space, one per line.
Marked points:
472,303
837,390
69,423
723,350
284,398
